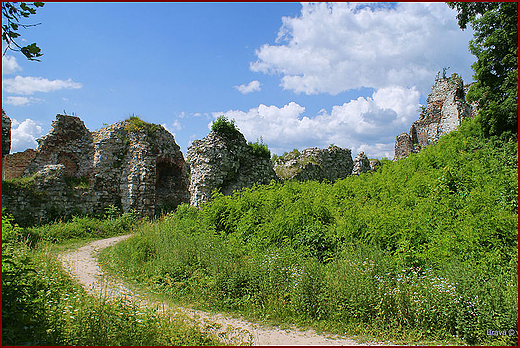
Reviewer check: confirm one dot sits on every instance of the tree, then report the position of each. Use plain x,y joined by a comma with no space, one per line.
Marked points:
12,13
495,44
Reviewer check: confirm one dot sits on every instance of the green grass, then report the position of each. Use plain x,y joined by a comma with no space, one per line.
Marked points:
422,251
136,125
78,228
42,305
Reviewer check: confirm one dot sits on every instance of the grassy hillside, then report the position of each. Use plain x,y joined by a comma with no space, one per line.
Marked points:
42,305
425,249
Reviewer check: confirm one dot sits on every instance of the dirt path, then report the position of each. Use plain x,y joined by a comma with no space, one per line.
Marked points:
82,264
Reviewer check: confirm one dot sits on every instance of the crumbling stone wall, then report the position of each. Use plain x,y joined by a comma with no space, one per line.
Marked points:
6,134
15,164
446,107
374,164
361,164
228,164
131,164
69,143
139,170
331,164
45,196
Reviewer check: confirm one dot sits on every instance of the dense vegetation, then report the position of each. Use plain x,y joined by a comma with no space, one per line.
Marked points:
423,249
136,125
41,305
495,44
226,128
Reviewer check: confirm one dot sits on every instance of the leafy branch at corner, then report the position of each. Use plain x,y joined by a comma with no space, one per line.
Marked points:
12,14
495,45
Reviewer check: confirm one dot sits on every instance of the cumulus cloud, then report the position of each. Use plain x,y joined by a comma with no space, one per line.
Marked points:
24,135
21,101
29,85
173,127
252,86
363,124
335,47
9,65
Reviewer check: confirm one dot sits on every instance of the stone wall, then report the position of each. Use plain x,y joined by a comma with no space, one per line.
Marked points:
361,164
138,167
131,164
446,107
15,164
6,134
45,196
142,171
227,164
331,164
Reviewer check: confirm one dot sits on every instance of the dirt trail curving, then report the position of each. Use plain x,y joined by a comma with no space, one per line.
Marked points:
82,264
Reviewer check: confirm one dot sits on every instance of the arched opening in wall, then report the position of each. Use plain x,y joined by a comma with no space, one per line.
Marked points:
70,162
169,185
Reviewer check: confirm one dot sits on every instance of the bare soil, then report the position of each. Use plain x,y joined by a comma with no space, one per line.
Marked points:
83,265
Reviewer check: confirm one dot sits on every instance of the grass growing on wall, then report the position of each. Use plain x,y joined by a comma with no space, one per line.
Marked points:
423,250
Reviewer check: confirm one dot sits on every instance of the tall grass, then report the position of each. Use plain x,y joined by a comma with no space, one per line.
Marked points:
424,249
41,305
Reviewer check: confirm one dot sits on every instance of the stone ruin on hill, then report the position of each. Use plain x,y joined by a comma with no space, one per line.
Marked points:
131,164
224,163
446,107
330,164
138,167
6,134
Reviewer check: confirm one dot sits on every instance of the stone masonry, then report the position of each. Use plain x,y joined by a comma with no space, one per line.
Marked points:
6,134
330,164
15,164
131,164
361,164
226,164
446,107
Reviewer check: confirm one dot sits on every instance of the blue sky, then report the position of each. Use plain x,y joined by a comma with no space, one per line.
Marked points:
297,75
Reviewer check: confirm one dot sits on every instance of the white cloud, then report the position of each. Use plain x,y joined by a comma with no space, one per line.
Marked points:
24,135
29,85
335,47
252,86
21,101
175,126
364,124
9,65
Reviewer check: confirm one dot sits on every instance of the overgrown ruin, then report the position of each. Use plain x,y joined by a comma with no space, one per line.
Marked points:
226,164
330,164
446,107
131,164
138,166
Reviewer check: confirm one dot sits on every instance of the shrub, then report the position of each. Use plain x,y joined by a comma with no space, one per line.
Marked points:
260,149
41,305
424,247
226,128
136,125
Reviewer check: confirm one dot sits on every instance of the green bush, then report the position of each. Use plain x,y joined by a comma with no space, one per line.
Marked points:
425,248
42,306
260,149
136,125
80,227
10,229
226,128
